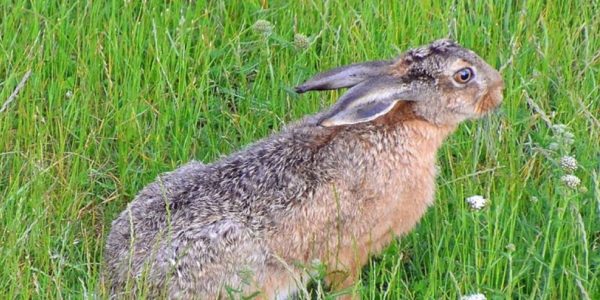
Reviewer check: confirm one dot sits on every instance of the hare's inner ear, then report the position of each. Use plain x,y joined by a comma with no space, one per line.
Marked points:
370,100
346,76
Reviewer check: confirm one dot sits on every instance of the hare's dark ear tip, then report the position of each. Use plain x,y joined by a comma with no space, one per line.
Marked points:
301,89
307,87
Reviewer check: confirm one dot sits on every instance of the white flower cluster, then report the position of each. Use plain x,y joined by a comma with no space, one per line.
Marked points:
571,181
263,27
568,163
563,134
301,41
562,141
266,29
511,247
562,137
476,202
477,296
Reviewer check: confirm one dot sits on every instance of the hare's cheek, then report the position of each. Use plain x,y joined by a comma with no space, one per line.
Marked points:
459,103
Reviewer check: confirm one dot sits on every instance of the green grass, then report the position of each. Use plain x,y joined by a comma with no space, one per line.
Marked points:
121,91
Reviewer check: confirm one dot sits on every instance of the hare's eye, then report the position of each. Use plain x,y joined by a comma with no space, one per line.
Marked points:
463,75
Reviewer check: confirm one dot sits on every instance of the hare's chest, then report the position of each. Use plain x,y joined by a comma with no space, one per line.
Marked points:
365,211
399,202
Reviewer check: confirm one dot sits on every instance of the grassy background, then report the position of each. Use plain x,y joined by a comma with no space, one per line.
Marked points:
121,91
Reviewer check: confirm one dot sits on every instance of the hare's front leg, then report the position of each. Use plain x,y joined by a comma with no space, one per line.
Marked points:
344,283
344,271
280,283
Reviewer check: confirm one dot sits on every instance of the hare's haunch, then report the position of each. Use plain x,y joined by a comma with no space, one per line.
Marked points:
334,187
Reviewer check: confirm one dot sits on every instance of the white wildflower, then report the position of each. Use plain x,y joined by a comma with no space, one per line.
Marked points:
562,135
263,27
569,135
569,138
559,128
477,296
69,94
477,202
571,181
301,41
553,146
511,247
568,163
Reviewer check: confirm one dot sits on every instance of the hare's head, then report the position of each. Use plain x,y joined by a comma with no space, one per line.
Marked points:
442,83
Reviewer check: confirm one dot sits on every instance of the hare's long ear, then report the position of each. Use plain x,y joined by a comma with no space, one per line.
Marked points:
346,76
370,100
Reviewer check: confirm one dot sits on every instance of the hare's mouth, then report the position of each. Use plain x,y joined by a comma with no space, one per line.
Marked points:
489,102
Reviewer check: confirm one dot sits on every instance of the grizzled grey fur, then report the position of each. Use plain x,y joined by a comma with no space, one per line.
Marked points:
331,185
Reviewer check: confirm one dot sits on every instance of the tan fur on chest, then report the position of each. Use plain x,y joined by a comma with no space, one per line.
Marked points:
390,194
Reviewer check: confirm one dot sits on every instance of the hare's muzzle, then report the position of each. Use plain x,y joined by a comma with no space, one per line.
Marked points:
493,97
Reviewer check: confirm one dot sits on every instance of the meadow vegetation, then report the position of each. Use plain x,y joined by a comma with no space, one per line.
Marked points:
121,91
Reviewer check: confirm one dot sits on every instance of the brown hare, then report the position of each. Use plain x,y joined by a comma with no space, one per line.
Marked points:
334,187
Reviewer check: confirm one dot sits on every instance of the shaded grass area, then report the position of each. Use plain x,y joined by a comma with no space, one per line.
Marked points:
122,91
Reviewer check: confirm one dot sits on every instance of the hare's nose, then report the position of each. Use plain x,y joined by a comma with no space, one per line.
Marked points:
497,80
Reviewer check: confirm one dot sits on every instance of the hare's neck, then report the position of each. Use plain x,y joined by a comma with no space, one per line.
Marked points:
396,151
388,163
419,138
408,143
